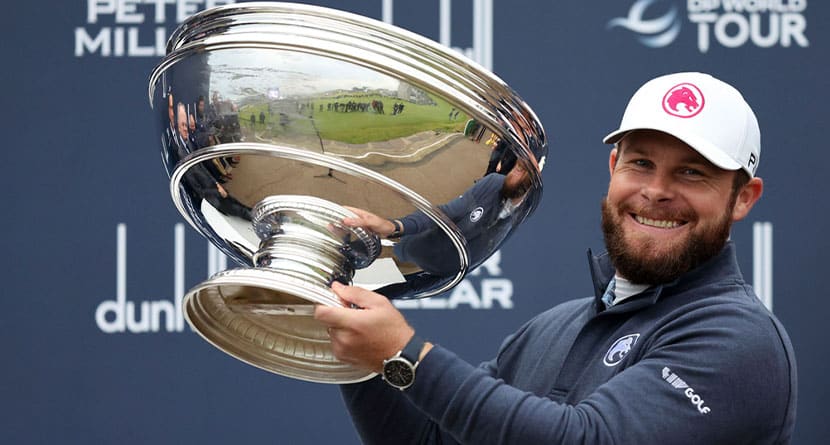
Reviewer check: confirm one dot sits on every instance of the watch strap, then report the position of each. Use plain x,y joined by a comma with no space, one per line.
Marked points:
412,350
398,229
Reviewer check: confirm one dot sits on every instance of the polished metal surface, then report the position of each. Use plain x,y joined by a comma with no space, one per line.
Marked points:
276,119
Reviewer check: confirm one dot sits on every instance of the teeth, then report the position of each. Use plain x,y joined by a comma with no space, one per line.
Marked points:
657,223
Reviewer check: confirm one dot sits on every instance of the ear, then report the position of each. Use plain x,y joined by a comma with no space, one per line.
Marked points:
746,198
612,161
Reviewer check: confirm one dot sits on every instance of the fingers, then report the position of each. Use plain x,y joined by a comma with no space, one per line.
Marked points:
362,308
362,215
365,335
354,222
362,298
364,219
356,210
354,298
333,317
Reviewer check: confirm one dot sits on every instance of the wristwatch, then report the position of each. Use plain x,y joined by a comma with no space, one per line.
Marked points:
399,370
398,229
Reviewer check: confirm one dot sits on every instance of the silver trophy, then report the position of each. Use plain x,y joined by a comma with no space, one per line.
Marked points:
277,121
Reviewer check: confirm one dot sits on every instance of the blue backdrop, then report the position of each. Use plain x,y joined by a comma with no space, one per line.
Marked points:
83,161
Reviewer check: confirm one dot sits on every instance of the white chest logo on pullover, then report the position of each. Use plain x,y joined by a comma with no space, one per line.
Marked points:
620,349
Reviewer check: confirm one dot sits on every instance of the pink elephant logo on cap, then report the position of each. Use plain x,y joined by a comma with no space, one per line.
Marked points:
683,100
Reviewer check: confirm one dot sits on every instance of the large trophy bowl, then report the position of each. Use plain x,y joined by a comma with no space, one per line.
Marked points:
278,121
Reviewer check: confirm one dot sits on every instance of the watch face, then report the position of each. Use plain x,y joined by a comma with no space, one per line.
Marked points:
398,372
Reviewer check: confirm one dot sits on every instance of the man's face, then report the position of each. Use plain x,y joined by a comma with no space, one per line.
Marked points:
182,122
516,182
668,209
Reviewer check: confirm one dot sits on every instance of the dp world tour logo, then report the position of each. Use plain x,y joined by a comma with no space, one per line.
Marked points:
683,100
727,23
654,32
620,349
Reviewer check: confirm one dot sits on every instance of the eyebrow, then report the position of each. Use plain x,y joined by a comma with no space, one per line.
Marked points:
693,158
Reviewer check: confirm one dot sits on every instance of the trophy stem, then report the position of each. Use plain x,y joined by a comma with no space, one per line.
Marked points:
264,315
306,235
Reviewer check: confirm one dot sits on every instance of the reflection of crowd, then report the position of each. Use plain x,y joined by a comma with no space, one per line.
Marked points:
261,119
188,133
375,106
264,121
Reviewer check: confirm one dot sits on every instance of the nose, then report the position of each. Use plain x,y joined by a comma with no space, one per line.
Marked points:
658,187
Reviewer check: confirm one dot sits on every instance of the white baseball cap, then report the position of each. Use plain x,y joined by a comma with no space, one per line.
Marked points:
707,114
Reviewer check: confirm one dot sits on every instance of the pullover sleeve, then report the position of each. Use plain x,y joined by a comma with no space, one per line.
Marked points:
725,358
417,222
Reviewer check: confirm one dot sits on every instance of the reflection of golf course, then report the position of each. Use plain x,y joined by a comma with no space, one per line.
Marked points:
351,118
422,147
357,127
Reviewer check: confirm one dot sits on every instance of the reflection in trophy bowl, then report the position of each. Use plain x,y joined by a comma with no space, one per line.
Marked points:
281,124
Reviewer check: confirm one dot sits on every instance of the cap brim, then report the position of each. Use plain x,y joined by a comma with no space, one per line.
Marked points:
614,137
706,149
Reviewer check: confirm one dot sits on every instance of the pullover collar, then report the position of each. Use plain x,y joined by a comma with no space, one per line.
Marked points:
723,266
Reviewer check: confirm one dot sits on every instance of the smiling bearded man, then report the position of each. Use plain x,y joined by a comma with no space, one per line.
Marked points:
672,347
636,254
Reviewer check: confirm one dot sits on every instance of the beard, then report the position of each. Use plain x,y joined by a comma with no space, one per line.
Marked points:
513,189
657,263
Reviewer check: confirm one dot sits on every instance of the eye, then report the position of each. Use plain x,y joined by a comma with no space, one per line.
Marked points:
694,174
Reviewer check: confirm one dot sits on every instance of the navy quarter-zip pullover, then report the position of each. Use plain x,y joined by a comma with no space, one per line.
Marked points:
696,361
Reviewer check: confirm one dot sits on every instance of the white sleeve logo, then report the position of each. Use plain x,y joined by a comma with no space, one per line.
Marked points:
676,382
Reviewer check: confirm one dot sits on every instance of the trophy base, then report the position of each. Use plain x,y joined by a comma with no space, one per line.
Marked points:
265,318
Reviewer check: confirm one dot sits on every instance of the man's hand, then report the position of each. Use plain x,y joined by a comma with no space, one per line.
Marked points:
368,220
368,335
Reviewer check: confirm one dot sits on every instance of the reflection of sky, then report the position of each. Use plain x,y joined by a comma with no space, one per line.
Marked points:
237,74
